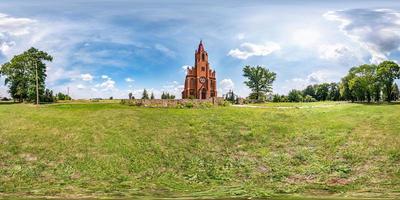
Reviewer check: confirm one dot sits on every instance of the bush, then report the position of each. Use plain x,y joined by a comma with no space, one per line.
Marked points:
205,105
188,105
224,103
295,96
309,98
276,98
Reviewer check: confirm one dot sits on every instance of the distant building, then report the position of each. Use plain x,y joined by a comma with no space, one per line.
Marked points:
200,82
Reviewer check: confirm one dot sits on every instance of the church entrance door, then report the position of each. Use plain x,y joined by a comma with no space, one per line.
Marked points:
203,93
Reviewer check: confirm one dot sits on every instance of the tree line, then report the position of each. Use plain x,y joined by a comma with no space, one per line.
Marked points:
364,83
145,95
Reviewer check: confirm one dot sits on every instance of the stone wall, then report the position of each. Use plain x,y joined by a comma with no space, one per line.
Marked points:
215,101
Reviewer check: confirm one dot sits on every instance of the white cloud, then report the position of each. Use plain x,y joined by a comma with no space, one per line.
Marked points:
184,68
15,26
108,84
319,76
104,76
11,28
164,50
334,51
80,86
173,87
249,49
86,77
306,37
376,30
226,85
129,80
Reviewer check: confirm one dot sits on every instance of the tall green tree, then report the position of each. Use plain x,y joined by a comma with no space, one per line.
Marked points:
26,74
344,88
61,96
310,91
145,95
260,80
334,93
295,96
364,81
387,72
322,92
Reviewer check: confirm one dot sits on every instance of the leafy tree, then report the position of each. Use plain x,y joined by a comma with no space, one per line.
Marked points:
334,93
25,74
61,96
377,90
310,90
284,98
48,96
344,88
259,81
363,82
322,91
387,72
145,95
295,96
130,95
276,98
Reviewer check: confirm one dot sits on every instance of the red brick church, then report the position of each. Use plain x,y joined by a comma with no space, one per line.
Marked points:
200,82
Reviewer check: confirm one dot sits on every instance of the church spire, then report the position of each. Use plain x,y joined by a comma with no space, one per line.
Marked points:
201,47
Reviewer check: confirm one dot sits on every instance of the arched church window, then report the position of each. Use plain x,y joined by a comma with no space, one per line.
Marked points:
203,57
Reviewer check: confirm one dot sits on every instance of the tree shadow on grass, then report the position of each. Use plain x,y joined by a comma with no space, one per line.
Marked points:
8,103
378,103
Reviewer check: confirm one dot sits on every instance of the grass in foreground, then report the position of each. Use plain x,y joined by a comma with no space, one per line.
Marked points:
74,150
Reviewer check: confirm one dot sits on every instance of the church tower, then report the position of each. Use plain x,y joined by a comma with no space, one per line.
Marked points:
200,82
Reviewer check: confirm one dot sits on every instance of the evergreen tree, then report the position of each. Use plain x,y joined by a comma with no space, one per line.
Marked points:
145,95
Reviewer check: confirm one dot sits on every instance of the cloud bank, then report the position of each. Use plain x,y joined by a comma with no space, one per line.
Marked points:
377,30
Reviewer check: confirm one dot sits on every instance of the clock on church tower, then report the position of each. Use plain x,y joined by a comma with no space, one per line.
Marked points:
200,81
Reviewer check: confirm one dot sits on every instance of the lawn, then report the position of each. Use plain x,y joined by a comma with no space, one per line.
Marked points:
113,150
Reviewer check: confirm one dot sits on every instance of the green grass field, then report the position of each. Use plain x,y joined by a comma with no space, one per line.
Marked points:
112,150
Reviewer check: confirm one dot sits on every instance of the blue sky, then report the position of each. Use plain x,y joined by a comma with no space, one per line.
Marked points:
109,48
